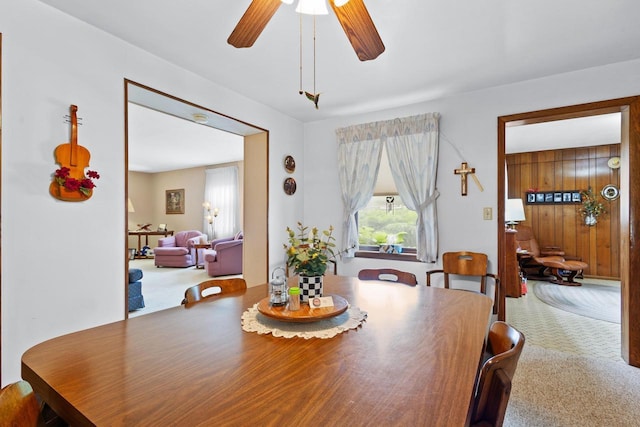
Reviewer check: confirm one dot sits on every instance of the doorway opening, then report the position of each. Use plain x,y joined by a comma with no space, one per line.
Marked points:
228,135
629,206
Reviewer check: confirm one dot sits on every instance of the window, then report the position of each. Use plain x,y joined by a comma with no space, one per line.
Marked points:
222,194
412,143
386,220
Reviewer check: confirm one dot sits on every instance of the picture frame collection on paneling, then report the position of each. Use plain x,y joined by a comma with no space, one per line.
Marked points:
553,197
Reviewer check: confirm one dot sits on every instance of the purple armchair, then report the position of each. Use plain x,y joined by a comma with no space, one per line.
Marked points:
177,250
225,257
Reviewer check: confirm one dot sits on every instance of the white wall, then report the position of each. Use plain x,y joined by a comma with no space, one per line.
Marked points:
469,121
63,263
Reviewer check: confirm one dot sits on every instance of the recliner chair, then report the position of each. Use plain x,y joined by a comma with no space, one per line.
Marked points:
552,259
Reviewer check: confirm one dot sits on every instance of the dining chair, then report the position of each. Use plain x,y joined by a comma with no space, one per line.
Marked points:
469,264
504,346
209,288
19,406
388,275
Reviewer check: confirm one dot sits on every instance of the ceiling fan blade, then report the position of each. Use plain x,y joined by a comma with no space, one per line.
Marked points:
359,28
255,18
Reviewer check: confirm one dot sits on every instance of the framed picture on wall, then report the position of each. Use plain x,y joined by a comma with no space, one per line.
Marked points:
174,201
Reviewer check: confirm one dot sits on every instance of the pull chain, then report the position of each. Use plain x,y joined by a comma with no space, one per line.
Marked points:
314,55
300,91
313,97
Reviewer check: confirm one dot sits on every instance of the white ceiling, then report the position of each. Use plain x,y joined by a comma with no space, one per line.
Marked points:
433,49
569,133
157,142
163,136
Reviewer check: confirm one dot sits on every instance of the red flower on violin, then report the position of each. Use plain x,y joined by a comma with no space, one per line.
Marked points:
84,185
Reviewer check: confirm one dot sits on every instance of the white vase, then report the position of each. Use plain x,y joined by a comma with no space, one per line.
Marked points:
590,220
310,287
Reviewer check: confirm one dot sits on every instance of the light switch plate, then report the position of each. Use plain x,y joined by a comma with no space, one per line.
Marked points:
487,214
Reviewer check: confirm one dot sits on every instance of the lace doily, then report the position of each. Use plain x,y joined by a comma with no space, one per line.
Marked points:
254,321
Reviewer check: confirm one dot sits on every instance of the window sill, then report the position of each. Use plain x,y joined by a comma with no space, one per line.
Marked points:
406,255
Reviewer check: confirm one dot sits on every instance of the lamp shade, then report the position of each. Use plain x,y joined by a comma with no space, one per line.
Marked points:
514,210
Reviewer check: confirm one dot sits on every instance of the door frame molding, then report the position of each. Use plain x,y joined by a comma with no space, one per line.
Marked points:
629,203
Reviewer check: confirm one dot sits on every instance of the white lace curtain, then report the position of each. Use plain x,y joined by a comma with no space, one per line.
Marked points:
359,152
221,191
412,148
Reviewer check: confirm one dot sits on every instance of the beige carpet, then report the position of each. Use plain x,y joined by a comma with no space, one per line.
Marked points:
571,372
555,329
552,388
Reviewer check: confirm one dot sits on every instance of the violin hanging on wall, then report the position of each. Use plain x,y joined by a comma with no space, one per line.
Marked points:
70,183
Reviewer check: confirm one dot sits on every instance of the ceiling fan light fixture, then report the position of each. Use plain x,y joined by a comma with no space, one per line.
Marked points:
312,7
287,1
340,3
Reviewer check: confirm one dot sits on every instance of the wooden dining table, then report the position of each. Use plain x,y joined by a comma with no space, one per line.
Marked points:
412,362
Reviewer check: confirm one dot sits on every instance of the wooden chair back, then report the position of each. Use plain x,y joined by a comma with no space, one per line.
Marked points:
208,289
470,264
388,275
504,345
19,406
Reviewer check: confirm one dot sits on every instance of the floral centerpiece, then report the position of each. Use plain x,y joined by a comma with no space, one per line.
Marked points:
591,208
308,252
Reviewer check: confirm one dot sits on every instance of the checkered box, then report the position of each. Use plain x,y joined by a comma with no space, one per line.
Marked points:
310,287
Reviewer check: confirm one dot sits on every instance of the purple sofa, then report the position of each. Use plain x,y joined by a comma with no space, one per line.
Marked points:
225,257
177,250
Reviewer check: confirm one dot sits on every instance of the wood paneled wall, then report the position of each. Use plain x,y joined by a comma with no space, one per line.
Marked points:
562,225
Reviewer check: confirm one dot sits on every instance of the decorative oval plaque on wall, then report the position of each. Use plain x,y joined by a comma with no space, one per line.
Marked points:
290,186
289,164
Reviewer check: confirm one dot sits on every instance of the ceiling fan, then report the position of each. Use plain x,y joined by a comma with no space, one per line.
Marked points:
352,14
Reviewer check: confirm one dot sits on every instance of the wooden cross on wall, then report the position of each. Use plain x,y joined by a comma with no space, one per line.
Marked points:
463,172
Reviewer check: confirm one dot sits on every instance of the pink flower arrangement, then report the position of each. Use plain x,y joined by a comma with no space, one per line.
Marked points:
84,185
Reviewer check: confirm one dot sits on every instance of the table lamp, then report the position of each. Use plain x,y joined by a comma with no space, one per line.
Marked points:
514,212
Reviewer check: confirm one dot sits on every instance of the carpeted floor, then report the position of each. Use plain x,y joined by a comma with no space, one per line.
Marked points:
555,389
570,372
552,328
596,301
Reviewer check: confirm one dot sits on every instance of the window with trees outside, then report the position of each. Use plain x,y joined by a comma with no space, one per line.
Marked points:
387,221
386,224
